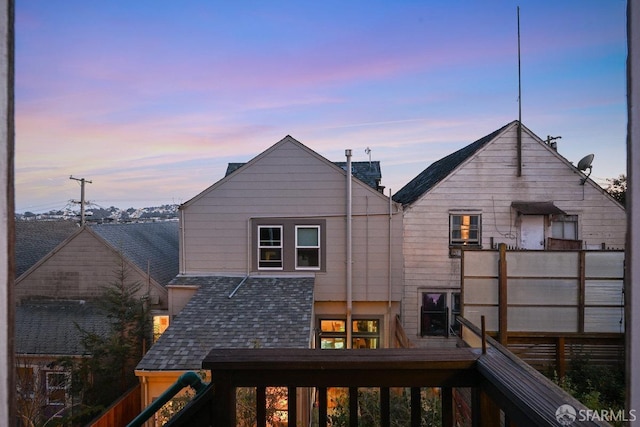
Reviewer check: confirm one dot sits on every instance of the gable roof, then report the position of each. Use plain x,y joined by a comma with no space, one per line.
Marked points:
233,167
35,239
151,246
368,172
440,169
48,327
263,312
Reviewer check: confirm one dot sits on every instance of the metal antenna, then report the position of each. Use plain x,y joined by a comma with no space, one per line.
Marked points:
368,152
82,201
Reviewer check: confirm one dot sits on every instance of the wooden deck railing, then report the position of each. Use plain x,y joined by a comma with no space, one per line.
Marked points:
497,386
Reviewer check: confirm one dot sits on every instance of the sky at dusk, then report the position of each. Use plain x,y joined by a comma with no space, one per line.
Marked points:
150,99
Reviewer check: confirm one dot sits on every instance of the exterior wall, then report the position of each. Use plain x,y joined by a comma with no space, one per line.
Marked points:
290,181
79,269
488,184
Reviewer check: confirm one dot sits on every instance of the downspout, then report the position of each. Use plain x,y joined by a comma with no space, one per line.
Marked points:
389,316
349,249
182,248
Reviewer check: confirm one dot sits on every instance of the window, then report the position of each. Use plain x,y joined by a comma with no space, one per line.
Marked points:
270,247
365,333
564,227
288,244
160,324
464,229
307,247
438,314
56,383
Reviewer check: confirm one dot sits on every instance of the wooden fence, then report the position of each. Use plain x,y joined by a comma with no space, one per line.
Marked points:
121,412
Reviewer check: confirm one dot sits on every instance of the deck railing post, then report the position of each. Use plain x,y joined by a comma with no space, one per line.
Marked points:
322,406
353,406
261,406
416,407
385,407
446,394
292,406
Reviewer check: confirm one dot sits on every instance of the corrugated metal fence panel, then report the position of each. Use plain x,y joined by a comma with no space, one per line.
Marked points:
542,264
548,319
604,264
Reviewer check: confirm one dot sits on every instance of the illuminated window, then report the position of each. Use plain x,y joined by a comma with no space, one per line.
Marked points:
160,324
307,247
464,230
270,247
365,333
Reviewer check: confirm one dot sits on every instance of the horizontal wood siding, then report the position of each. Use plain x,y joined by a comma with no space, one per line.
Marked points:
488,184
291,182
80,270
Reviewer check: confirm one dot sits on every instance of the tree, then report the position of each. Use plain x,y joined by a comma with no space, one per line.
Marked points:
108,371
617,188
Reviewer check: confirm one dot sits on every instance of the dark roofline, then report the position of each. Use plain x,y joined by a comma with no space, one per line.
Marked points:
440,169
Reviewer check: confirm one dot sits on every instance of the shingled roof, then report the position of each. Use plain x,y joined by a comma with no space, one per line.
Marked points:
263,312
152,245
48,327
440,170
367,172
35,239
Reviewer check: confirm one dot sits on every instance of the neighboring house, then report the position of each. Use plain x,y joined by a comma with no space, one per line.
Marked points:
35,239
499,189
266,261
59,291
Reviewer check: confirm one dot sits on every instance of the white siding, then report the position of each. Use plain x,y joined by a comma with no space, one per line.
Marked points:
488,183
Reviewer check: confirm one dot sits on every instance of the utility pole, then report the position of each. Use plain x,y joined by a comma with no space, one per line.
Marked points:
82,201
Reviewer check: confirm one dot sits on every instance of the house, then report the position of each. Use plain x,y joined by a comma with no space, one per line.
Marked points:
57,293
508,187
287,250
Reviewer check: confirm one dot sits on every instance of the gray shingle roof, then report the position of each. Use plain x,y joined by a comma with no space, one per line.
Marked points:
440,170
154,244
367,172
35,239
48,327
264,312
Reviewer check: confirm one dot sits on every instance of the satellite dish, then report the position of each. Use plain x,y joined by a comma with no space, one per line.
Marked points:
583,165
585,162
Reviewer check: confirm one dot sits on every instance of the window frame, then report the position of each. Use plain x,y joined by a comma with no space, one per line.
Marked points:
49,388
564,219
461,242
289,250
450,311
355,335
316,247
261,247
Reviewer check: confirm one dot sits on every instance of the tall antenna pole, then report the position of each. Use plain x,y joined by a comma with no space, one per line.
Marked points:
82,201
519,143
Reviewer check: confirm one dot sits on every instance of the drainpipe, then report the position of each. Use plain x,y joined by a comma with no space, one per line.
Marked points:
349,249
389,267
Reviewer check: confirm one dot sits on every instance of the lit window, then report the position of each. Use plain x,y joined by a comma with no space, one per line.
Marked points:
270,247
307,247
365,333
160,324
464,229
564,227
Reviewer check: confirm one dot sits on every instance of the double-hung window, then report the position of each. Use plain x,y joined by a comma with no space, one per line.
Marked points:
438,313
307,247
270,247
56,384
288,244
464,229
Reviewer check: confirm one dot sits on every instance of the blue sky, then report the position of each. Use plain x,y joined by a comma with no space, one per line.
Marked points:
151,99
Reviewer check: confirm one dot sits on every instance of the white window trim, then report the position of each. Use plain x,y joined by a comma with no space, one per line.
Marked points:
467,213
318,247
53,388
